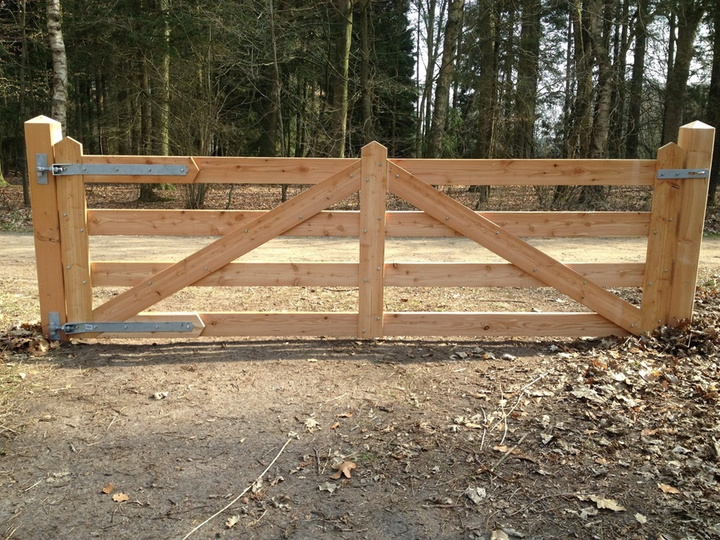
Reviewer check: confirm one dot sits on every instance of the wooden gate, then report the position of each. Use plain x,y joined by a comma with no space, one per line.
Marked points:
66,275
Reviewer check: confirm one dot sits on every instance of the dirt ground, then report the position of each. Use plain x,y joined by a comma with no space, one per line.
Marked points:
317,438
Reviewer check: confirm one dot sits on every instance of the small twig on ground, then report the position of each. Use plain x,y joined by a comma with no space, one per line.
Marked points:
317,461
505,415
510,451
236,499
258,519
5,428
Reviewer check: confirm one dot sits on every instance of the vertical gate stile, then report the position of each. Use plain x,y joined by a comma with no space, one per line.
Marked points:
41,133
373,194
696,139
74,233
662,240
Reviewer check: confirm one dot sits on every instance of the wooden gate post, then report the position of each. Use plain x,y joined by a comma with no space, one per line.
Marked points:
72,209
373,194
41,133
662,240
676,225
697,140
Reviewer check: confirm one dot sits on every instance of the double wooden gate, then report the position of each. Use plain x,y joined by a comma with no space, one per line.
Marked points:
66,275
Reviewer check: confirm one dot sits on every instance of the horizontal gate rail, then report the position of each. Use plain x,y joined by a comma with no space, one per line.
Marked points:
68,278
345,223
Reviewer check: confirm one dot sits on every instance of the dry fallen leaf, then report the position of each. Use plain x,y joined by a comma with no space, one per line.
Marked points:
476,494
335,425
343,468
232,521
641,518
602,502
327,486
666,488
109,488
311,424
120,497
609,504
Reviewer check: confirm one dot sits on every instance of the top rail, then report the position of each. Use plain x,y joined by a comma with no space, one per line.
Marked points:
465,172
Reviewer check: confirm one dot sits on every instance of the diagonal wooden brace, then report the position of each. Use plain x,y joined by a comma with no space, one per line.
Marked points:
513,249
231,246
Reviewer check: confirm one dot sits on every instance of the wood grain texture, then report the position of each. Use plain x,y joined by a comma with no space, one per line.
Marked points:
343,223
226,170
75,243
697,140
662,241
280,324
41,134
529,172
373,193
397,274
499,324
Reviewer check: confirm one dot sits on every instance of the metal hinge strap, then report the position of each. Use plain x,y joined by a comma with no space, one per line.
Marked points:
114,327
683,173
103,169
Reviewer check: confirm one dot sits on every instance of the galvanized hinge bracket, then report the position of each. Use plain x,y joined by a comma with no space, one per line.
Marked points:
114,327
665,174
104,169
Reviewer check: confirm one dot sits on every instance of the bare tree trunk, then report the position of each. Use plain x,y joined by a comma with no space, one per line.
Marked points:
487,84
594,196
636,82
340,76
527,79
689,15
442,89
425,107
59,58
599,43
23,90
580,130
366,91
164,136
486,92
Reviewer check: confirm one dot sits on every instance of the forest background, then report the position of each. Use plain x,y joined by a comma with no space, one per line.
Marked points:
426,78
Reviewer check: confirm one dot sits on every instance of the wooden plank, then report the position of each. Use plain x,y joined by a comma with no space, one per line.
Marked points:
697,140
373,194
258,324
280,324
129,274
41,133
252,170
513,249
530,224
227,170
662,241
347,223
397,274
74,234
529,172
157,316
499,324
230,247
409,274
